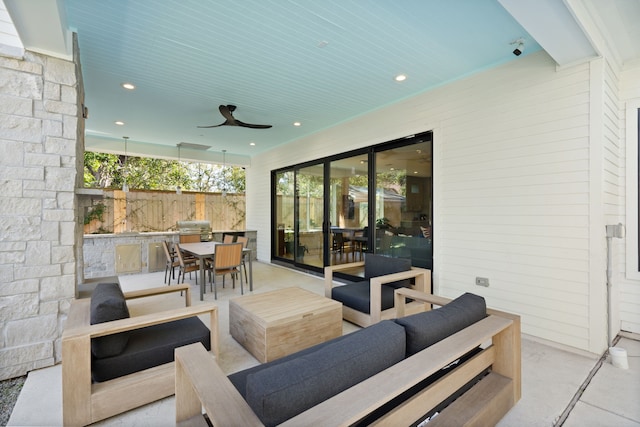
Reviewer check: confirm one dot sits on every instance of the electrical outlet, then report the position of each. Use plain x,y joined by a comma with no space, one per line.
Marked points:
482,281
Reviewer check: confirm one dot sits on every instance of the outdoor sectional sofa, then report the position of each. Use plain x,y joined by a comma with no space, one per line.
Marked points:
395,372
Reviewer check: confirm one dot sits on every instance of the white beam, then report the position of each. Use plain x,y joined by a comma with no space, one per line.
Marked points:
42,26
553,26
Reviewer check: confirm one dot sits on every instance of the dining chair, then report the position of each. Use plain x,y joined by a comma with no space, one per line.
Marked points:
357,240
171,263
228,238
227,260
186,265
189,238
342,245
245,244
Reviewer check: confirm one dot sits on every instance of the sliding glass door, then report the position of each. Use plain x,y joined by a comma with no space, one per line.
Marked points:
348,209
283,202
403,202
310,216
376,199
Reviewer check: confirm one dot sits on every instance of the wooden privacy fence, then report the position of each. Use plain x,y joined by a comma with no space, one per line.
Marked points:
114,211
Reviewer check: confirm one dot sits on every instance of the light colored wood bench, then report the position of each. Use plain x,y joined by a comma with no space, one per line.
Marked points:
200,383
85,403
422,283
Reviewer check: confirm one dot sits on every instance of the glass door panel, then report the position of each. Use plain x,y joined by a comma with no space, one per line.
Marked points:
403,202
348,209
310,203
284,214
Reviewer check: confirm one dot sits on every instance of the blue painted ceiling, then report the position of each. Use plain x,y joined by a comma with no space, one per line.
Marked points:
280,61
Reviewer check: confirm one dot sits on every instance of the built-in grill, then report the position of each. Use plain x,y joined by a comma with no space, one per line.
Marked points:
203,228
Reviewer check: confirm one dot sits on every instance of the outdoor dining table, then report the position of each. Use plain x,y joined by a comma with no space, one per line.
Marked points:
204,250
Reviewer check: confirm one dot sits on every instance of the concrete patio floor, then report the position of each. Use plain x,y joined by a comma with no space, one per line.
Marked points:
559,387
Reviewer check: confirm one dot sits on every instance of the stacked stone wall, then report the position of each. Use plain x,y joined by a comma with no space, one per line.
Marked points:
39,127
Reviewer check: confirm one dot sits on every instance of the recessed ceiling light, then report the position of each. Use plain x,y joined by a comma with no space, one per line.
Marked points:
252,144
119,123
415,172
400,78
297,124
128,86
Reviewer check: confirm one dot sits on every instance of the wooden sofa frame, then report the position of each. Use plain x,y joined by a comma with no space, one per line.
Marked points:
85,403
422,283
200,383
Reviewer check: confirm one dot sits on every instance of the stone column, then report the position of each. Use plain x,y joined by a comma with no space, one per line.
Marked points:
39,116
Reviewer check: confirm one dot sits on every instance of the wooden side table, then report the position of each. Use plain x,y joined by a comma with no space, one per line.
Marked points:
274,324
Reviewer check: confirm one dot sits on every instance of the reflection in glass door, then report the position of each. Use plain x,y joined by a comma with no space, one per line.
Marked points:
348,209
404,203
283,211
310,216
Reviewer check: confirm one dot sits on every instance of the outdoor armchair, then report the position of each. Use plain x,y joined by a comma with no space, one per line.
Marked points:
120,344
370,300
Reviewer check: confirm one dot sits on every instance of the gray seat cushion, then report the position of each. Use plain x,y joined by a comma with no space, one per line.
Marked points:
151,346
357,296
108,304
280,391
427,328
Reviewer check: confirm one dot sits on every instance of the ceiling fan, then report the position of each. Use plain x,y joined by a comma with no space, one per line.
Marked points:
226,111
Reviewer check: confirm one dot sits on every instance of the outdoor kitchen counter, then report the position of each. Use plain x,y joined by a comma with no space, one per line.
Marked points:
108,255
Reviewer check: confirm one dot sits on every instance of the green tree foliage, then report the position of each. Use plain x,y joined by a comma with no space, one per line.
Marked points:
110,171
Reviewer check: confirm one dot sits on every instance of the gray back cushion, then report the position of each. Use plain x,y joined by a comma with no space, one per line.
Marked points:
427,328
379,265
108,304
282,391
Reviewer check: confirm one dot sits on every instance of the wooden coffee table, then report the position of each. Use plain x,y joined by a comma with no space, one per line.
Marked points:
278,323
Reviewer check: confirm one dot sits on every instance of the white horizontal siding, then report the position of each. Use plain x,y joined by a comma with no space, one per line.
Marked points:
10,43
514,176
512,189
628,279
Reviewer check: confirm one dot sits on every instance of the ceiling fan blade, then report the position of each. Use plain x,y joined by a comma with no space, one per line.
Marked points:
227,113
252,126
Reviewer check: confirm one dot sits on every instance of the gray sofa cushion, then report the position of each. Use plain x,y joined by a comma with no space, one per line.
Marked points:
379,265
151,346
279,392
108,304
239,379
427,328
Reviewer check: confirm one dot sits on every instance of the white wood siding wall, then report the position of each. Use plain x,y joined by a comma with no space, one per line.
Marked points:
514,176
512,173
10,43
628,281
613,179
